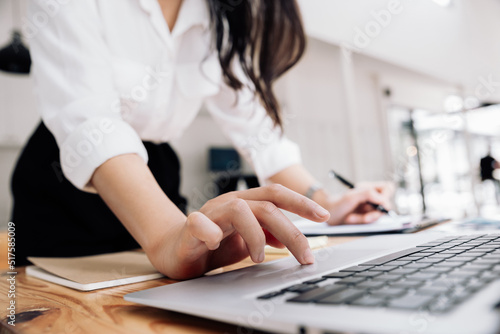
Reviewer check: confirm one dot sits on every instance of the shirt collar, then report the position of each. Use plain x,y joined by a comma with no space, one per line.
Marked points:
192,13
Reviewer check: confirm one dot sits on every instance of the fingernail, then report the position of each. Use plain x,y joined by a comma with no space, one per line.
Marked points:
321,212
308,257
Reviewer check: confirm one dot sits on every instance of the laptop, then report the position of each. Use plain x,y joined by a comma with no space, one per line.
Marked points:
420,283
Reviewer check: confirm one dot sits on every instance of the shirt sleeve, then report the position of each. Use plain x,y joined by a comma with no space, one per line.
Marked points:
76,95
245,122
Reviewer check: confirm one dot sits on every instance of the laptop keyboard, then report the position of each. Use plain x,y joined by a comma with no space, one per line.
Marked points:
436,276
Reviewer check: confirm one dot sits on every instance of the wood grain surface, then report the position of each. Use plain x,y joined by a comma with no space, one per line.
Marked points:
3,251
43,307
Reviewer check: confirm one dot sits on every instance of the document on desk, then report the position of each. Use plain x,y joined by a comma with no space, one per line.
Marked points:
386,224
94,272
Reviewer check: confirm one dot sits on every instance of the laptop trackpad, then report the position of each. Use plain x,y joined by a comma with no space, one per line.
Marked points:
330,259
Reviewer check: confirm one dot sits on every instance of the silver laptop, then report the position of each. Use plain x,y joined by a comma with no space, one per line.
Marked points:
421,283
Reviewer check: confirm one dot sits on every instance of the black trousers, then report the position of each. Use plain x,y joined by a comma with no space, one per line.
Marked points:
55,219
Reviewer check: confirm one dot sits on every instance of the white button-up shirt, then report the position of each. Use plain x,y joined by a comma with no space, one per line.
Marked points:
110,74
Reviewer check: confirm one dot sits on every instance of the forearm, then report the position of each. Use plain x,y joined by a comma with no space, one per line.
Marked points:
130,190
298,179
350,208
225,230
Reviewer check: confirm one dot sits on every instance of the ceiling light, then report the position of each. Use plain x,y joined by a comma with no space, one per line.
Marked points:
411,151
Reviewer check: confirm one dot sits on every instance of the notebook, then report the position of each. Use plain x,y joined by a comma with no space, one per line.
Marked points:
385,224
94,272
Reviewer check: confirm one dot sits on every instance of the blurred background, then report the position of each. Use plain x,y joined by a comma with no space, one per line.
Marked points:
404,91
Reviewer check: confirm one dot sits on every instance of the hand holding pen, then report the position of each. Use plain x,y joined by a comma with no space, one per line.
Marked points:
350,185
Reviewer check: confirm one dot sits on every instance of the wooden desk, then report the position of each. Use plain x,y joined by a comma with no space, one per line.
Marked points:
43,307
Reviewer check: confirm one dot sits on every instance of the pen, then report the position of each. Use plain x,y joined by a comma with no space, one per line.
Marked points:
350,185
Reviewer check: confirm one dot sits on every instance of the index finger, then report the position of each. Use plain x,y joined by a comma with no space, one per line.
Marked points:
287,199
283,229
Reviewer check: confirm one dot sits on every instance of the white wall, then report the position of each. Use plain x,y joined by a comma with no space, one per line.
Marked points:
18,117
18,114
314,105
18,108
460,43
197,183
353,140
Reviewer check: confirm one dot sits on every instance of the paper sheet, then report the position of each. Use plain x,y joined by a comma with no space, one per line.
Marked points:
384,224
97,268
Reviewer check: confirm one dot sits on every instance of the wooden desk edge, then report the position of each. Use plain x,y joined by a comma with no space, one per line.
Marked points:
46,307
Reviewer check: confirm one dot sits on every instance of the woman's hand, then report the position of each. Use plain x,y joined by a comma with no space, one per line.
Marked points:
353,207
348,209
233,226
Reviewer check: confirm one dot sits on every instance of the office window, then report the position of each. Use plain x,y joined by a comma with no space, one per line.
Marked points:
436,159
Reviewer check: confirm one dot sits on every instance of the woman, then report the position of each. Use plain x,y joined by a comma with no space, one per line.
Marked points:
116,80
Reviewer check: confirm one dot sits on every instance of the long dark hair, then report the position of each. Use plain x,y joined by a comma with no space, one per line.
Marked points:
266,36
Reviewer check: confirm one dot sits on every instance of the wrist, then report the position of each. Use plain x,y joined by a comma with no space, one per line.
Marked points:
165,235
312,190
323,198
161,249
